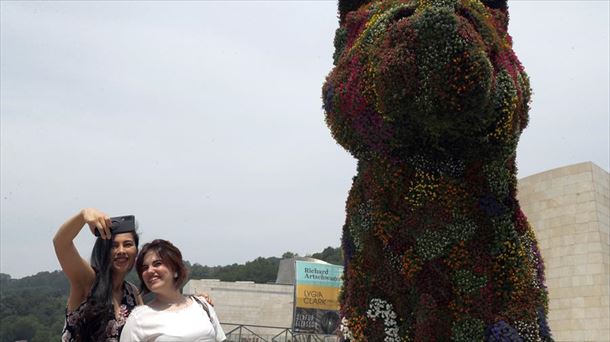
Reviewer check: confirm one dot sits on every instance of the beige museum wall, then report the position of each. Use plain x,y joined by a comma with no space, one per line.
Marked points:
248,303
569,209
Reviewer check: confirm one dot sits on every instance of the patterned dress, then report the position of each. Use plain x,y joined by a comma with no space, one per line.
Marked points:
114,327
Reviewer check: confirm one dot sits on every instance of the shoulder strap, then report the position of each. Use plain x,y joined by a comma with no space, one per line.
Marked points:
204,307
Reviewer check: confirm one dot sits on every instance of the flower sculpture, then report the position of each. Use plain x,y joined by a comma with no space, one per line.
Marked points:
430,98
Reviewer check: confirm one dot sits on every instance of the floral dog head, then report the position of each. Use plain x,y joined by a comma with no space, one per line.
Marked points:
430,77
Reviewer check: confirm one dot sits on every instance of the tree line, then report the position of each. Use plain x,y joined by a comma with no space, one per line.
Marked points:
33,308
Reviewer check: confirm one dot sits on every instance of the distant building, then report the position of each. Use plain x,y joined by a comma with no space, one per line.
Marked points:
568,207
248,303
286,271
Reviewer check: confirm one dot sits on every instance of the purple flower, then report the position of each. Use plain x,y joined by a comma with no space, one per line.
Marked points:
545,331
502,332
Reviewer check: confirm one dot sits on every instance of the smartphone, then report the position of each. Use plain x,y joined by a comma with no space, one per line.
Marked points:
120,224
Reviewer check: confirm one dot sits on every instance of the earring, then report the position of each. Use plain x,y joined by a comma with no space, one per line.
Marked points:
175,274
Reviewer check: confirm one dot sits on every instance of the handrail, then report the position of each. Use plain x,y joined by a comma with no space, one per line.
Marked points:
256,326
285,333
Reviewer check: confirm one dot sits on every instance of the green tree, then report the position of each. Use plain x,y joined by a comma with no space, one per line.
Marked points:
288,255
330,255
19,328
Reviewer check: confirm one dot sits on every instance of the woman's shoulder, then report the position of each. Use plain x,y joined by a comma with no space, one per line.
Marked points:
201,301
198,297
141,310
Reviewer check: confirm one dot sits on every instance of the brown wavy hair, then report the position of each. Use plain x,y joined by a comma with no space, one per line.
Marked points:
170,255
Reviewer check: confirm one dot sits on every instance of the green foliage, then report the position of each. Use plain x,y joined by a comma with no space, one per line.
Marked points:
54,281
32,308
288,255
260,270
467,282
468,330
340,41
29,328
330,255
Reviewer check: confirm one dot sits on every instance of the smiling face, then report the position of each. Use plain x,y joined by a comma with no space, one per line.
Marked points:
124,251
160,267
157,275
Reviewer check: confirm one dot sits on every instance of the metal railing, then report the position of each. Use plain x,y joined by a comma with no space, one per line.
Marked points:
254,333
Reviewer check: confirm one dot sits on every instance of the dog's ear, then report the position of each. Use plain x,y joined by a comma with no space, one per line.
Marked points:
495,4
346,6
500,12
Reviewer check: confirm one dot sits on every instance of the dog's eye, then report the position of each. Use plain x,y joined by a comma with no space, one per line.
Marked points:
403,13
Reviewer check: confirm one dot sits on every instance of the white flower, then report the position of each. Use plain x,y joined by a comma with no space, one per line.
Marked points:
344,328
379,308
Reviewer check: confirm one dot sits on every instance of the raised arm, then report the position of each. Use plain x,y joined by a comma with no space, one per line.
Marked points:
79,271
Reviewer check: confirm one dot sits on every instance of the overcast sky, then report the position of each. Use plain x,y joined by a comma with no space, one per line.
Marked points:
204,120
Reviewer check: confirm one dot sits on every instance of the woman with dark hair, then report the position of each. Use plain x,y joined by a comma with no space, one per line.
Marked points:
170,316
100,299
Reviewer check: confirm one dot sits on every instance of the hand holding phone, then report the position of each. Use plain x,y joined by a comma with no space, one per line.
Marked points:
120,224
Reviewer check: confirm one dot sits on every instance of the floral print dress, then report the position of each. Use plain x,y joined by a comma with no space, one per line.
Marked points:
114,327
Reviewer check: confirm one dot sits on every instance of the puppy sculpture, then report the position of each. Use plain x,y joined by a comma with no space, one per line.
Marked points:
430,98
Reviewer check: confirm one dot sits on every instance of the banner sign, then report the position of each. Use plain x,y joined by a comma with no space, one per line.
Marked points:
316,298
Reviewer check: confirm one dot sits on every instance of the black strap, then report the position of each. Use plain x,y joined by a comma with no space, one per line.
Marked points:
207,311
205,308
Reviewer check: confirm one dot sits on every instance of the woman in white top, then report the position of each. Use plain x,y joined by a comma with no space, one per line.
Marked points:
170,316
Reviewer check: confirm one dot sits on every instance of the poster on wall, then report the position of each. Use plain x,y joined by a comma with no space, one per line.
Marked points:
316,298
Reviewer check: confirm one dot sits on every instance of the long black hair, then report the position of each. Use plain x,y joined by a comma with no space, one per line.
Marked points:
99,309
